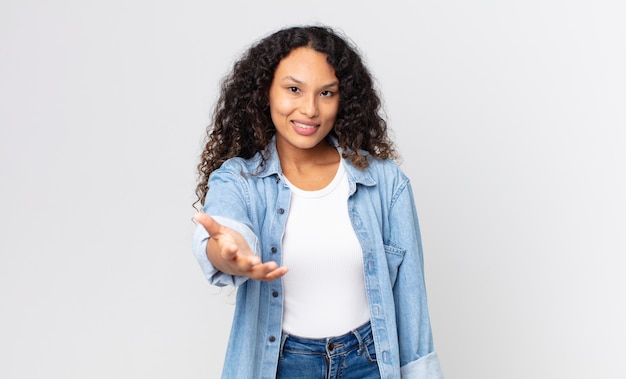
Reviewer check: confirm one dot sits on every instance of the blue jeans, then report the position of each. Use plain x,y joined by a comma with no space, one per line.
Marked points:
350,356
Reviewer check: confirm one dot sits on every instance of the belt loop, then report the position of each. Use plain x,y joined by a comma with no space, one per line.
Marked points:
283,339
360,339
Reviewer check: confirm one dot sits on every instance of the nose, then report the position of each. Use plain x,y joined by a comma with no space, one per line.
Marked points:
309,106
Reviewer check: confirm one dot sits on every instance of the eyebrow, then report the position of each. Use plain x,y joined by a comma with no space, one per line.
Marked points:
332,84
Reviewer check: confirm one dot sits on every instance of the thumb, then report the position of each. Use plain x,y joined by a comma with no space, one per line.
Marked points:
208,222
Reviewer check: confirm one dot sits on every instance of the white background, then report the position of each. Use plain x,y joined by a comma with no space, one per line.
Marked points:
510,116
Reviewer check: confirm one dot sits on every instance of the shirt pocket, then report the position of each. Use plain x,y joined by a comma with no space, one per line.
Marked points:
394,256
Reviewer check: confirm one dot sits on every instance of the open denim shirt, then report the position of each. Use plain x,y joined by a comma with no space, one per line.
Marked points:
254,201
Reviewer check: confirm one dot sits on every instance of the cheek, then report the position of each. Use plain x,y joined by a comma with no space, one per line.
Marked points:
279,111
331,110
280,106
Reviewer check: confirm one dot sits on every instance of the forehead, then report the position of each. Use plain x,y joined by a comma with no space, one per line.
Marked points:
305,62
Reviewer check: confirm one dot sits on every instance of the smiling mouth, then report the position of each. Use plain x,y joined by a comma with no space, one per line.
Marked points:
304,126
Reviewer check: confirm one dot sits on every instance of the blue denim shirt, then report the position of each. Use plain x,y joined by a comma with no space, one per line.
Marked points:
255,202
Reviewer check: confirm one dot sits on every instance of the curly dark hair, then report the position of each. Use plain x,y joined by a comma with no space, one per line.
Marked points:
241,124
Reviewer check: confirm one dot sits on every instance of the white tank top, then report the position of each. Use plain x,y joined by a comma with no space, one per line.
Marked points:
324,289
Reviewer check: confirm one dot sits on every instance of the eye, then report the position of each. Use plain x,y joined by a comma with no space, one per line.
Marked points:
293,89
327,93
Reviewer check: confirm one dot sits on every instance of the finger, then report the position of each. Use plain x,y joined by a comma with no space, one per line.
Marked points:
267,271
208,222
228,249
275,274
247,263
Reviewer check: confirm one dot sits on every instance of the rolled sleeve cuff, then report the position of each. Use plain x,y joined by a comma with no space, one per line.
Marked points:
200,240
427,367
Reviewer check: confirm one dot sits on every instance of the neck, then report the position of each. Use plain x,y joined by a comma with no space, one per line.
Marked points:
309,169
301,159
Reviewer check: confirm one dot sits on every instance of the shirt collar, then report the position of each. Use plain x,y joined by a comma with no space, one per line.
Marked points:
272,164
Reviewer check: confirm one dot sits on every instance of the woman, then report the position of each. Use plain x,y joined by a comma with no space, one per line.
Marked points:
305,212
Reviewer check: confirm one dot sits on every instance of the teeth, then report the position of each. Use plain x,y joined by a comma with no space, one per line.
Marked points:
303,126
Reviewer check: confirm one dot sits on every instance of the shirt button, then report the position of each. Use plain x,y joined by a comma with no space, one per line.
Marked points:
281,210
275,293
274,249
272,338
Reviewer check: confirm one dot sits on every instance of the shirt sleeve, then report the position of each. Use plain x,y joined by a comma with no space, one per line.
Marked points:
227,202
417,356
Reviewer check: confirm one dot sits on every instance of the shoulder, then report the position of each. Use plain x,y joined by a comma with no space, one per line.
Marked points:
262,164
386,171
377,168
382,178
240,166
391,183
384,165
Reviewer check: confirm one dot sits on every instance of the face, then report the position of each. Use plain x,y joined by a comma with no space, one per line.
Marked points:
304,99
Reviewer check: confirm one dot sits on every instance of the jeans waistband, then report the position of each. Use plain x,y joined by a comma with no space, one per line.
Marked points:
330,345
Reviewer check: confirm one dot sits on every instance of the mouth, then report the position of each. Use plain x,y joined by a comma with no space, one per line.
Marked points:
304,128
304,125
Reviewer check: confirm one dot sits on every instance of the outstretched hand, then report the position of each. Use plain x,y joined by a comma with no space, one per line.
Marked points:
229,252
